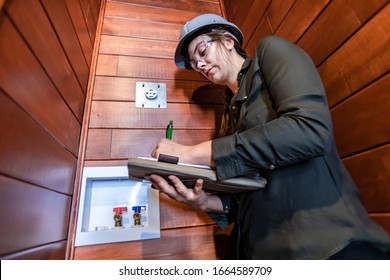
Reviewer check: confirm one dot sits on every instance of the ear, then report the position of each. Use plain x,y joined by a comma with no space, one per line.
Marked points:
228,42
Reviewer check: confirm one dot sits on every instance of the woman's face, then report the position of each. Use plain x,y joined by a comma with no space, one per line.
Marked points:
205,56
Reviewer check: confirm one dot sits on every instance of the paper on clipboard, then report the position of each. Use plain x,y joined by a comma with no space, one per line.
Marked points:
140,167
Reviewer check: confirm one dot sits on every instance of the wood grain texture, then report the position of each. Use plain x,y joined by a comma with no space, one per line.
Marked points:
123,143
29,153
33,216
137,47
323,38
199,6
175,244
253,18
148,13
359,61
30,19
22,78
353,65
63,25
125,115
81,28
124,89
355,114
300,18
141,29
53,251
42,50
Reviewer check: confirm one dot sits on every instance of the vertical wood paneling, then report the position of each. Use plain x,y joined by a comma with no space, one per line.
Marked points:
42,93
22,77
32,22
359,61
38,158
62,22
347,16
81,28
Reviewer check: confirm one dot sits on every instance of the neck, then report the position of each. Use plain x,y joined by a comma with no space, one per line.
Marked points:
232,82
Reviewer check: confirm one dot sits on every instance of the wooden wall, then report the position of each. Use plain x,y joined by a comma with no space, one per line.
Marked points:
45,57
137,44
346,40
349,42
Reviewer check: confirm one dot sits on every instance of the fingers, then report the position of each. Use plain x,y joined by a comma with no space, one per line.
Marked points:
198,186
162,185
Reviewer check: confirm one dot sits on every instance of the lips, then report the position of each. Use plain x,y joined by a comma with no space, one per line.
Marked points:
207,72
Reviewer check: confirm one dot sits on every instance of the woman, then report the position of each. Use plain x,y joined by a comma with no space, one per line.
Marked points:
277,123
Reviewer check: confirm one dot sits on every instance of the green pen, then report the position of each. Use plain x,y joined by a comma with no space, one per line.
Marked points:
169,130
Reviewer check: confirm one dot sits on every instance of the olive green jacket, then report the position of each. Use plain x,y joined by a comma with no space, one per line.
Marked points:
310,208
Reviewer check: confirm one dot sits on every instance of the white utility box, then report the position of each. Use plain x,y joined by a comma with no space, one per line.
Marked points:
113,208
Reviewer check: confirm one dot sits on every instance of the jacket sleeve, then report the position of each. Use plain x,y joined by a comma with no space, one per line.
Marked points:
303,127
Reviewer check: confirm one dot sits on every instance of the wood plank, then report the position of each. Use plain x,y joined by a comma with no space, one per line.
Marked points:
178,244
154,68
323,38
359,61
90,20
39,216
237,11
133,143
198,6
22,78
152,14
141,29
371,172
253,19
81,28
365,117
98,144
53,251
122,144
277,11
62,23
299,19
95,8
106,114
189,216
184,5
143,67
32,22
262,30
123,89
107,65
30,154
117,45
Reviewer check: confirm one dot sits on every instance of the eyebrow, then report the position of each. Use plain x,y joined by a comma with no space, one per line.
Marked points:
197,46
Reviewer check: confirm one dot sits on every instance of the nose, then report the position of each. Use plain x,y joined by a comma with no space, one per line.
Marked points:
199,65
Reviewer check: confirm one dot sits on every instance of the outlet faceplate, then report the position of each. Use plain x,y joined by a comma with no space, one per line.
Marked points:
150,95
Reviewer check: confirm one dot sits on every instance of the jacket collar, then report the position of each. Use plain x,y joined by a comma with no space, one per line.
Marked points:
244,81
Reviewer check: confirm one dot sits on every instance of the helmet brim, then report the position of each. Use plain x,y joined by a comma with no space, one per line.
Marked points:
181,60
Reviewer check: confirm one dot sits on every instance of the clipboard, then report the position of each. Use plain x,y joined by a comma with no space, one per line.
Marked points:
140,167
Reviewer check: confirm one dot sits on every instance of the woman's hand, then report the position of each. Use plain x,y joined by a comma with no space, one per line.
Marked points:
196,196
169,147
196,154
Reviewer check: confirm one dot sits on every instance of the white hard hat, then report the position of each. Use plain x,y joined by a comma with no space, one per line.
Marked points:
200,25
